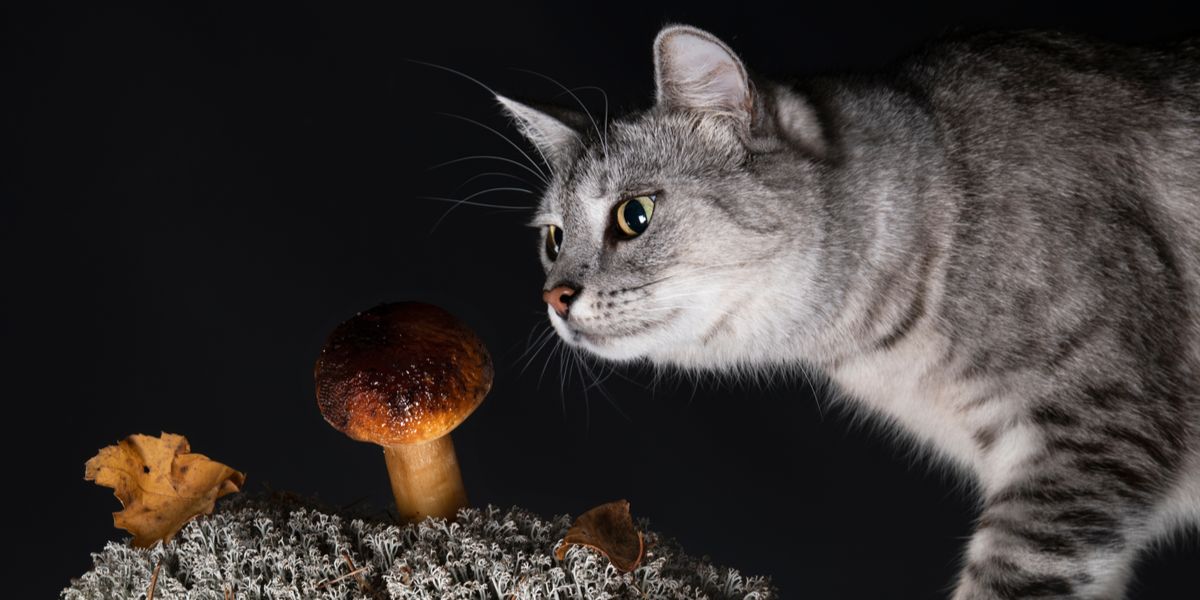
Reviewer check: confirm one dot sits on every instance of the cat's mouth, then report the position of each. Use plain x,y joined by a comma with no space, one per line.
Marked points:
614,341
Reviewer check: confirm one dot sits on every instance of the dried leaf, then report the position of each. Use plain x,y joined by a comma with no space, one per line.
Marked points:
608,529
161,484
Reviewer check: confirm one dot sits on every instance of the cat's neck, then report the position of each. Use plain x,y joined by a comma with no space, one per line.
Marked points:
883,223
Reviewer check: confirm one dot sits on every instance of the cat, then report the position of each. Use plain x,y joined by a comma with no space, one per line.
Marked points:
995,245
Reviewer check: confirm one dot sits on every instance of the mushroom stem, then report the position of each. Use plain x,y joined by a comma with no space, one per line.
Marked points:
425,479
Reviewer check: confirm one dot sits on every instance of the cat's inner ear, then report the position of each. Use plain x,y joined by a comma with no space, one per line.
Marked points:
553,131
696,71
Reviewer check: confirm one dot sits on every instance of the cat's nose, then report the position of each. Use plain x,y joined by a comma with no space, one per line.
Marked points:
560,298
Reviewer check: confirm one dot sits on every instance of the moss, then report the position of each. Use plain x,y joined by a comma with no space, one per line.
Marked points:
284,549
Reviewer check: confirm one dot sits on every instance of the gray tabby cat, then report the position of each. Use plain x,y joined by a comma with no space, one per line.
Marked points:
995,245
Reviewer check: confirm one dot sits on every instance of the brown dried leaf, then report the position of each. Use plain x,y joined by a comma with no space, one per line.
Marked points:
609,530
161,484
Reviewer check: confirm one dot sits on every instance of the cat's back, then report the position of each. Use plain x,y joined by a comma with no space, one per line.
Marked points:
1059,142
1053,100
1059,69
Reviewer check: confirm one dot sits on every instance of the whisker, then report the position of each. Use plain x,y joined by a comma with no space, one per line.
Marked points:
587,403
482,85
540,329
599,385
494,94
562,374
532,163
456,72
490,174
616,371
542,341
467,200
469,203
603,94
553,350
528,339
577,101
685,274
518,163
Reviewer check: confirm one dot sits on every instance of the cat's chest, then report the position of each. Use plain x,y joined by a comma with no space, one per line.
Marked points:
909,385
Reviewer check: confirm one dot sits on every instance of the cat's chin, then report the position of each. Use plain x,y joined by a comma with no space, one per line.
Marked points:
614,348
644,348
618,348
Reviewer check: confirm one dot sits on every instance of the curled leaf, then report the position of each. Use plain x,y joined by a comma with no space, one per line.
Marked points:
161,484
608,529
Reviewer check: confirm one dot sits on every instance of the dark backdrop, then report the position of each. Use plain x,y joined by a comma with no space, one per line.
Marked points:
198,196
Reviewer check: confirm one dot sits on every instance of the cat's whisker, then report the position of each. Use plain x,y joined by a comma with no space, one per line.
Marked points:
543,339
469,203
541,177
687,274
567,90
546,328
491,174
553,350
659,309
616,371
681,294
538,328
562,377
698,268
587,401
596,379
494,95
532,345
533,163
603,94
468,199
662,279
598,384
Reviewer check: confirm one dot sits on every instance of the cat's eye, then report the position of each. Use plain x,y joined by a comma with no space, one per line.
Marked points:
554,240
633,215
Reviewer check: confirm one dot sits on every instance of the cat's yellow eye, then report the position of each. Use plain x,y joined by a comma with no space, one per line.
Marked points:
633,215
554,240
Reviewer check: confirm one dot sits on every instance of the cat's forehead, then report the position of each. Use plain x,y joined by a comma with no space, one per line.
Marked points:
639,154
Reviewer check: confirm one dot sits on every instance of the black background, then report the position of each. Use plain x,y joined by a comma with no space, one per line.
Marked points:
197,196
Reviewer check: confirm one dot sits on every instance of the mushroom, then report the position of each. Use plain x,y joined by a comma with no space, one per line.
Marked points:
402,376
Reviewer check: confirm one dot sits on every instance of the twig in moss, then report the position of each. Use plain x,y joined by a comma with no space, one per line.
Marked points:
355,573
153,580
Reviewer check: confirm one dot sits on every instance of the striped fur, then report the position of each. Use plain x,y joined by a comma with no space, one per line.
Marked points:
994,245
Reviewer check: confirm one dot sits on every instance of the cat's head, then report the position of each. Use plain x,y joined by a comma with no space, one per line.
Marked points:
665,234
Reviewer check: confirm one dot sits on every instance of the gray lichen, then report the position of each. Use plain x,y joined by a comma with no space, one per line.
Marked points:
276,550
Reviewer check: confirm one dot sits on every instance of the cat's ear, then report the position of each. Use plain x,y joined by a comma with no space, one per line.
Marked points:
696,71
553,131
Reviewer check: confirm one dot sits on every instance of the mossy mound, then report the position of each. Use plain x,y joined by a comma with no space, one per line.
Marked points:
279,549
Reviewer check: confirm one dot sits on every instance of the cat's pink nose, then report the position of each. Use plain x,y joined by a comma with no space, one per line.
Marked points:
560,298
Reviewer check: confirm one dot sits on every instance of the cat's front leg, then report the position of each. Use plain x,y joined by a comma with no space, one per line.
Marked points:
1067,519
1050,537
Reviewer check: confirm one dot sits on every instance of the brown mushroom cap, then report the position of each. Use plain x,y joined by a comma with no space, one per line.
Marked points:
401,373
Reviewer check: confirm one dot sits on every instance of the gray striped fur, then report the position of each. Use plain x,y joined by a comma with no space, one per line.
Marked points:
995,245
